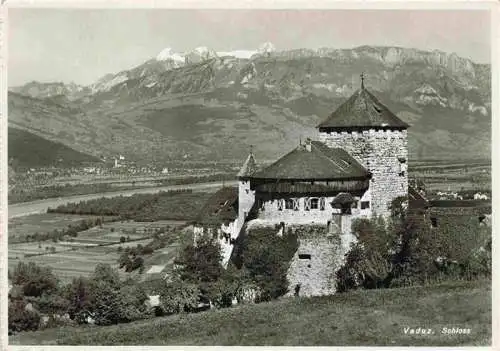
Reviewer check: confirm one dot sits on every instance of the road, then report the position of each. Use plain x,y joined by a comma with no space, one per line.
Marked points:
41,206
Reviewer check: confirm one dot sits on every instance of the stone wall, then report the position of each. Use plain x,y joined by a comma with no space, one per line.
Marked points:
246,199
380,152
224,235
319,256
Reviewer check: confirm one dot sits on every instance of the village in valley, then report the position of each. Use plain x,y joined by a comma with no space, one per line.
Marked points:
346,232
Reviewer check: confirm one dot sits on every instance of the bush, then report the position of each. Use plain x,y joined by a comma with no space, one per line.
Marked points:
21,319
33,279
267,257
200,263
179,297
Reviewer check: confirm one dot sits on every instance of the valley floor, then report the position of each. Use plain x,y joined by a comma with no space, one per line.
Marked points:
360,318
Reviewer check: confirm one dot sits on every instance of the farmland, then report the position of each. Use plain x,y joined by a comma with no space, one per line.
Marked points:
452,175
73,255
79,256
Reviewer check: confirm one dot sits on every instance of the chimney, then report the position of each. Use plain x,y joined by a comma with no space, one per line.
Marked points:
308,144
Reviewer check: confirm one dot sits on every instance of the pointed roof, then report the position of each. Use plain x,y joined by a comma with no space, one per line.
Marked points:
221,207
248,168
362,111
317,162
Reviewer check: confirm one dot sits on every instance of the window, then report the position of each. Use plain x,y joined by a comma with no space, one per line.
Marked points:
481,218
289,204
261,204
296,205
307,204
314,204
365,204
304,256
280,205
434,222
403,166
246,191
322,204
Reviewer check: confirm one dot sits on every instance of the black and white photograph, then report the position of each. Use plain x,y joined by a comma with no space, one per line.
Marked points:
228,176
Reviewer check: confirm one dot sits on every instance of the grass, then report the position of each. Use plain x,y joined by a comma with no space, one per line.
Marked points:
30,150
360,318
42,223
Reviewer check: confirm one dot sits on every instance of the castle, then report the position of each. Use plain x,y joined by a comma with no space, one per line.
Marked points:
356,168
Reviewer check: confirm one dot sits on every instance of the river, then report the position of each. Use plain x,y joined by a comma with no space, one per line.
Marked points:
41,206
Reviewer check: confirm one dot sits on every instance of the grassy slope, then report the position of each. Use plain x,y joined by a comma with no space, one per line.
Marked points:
376,317
30,150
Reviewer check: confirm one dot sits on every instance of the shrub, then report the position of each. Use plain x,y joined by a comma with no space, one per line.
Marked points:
179,296
267,256
33,279
21,319
370,261
200,263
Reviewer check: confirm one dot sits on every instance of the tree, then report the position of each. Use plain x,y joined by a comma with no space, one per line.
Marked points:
21,319
267,257
34,280
104,273
200,263
179,296
79,296
370,261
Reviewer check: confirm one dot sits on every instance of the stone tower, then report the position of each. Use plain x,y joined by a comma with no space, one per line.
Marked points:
375,137
246,196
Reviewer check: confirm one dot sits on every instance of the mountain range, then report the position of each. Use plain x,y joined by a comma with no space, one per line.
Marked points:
205,104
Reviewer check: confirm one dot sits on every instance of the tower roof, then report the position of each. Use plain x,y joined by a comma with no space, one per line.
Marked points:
315,161
248,168
221,207
362,111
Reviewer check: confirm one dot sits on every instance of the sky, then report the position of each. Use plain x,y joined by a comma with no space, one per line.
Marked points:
82,45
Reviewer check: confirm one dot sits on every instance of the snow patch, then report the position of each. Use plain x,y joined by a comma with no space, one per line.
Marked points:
241,54
168,54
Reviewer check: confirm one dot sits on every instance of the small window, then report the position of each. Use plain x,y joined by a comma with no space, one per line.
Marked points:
322,204
304,256
434,222
280,205
307,204
289,204
246,190
314,204
365,204
296,204
481,218
261,204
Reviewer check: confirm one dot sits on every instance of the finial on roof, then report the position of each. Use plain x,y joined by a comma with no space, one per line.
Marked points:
363,76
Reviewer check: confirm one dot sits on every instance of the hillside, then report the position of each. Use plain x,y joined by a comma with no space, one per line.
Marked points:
360,318
215,107
29,150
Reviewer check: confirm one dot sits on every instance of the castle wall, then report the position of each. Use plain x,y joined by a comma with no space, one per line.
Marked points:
378,151
222,234
319,256
270,211
246,199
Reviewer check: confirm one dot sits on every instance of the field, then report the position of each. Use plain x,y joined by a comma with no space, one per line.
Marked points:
42,223
79,256
360,318
452,176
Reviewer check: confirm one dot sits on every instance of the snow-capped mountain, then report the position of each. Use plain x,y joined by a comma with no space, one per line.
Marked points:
263,95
